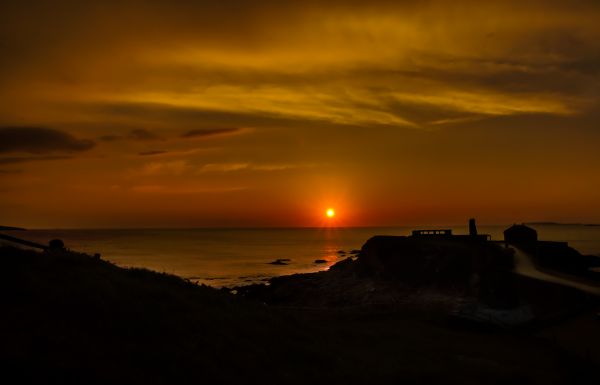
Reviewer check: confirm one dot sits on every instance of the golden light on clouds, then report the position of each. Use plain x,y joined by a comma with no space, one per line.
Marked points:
254,113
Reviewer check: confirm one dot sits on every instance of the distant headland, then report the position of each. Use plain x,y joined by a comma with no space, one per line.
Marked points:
560,224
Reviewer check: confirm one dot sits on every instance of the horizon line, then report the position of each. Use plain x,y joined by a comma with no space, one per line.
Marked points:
550,223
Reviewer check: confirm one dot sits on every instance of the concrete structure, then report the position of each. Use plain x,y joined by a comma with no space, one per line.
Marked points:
446,234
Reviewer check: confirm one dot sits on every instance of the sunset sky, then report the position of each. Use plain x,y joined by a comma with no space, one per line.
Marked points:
267,113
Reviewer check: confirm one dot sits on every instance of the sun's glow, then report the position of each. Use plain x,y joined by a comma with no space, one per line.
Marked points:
330,213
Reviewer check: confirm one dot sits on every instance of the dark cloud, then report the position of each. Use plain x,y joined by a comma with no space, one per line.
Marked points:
205,132
26,159
151,153
38,140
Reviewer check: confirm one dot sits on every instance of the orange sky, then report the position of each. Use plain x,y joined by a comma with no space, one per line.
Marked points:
235,113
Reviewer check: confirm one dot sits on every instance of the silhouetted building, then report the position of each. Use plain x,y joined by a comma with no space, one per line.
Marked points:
520,234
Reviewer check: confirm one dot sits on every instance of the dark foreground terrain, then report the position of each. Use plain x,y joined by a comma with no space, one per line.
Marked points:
69,318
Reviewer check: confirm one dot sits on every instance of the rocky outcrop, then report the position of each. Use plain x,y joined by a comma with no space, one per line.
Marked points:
562,258
476,267
461,277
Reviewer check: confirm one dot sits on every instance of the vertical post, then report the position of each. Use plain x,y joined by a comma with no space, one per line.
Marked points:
472,228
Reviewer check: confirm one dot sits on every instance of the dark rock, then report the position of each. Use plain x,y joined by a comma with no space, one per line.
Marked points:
320,261
56,245
345,264
355,251
341,252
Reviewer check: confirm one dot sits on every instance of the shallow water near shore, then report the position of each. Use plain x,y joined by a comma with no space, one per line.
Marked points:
229,257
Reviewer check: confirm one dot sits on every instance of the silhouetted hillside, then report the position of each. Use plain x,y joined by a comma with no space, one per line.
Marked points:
69,318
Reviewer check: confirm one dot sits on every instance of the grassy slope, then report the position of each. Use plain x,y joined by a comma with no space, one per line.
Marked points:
69,318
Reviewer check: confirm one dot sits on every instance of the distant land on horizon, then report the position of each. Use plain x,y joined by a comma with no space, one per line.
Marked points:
561,224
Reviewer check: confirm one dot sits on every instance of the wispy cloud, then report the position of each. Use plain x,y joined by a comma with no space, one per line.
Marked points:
208,132
175,167
223,167
137,134
169,189
266,167
152,153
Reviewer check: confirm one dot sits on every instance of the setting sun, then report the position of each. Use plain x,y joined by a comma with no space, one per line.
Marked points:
330,213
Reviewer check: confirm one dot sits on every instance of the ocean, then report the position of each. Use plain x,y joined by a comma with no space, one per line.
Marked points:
230,257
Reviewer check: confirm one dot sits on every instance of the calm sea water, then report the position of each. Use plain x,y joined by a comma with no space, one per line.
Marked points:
227,257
